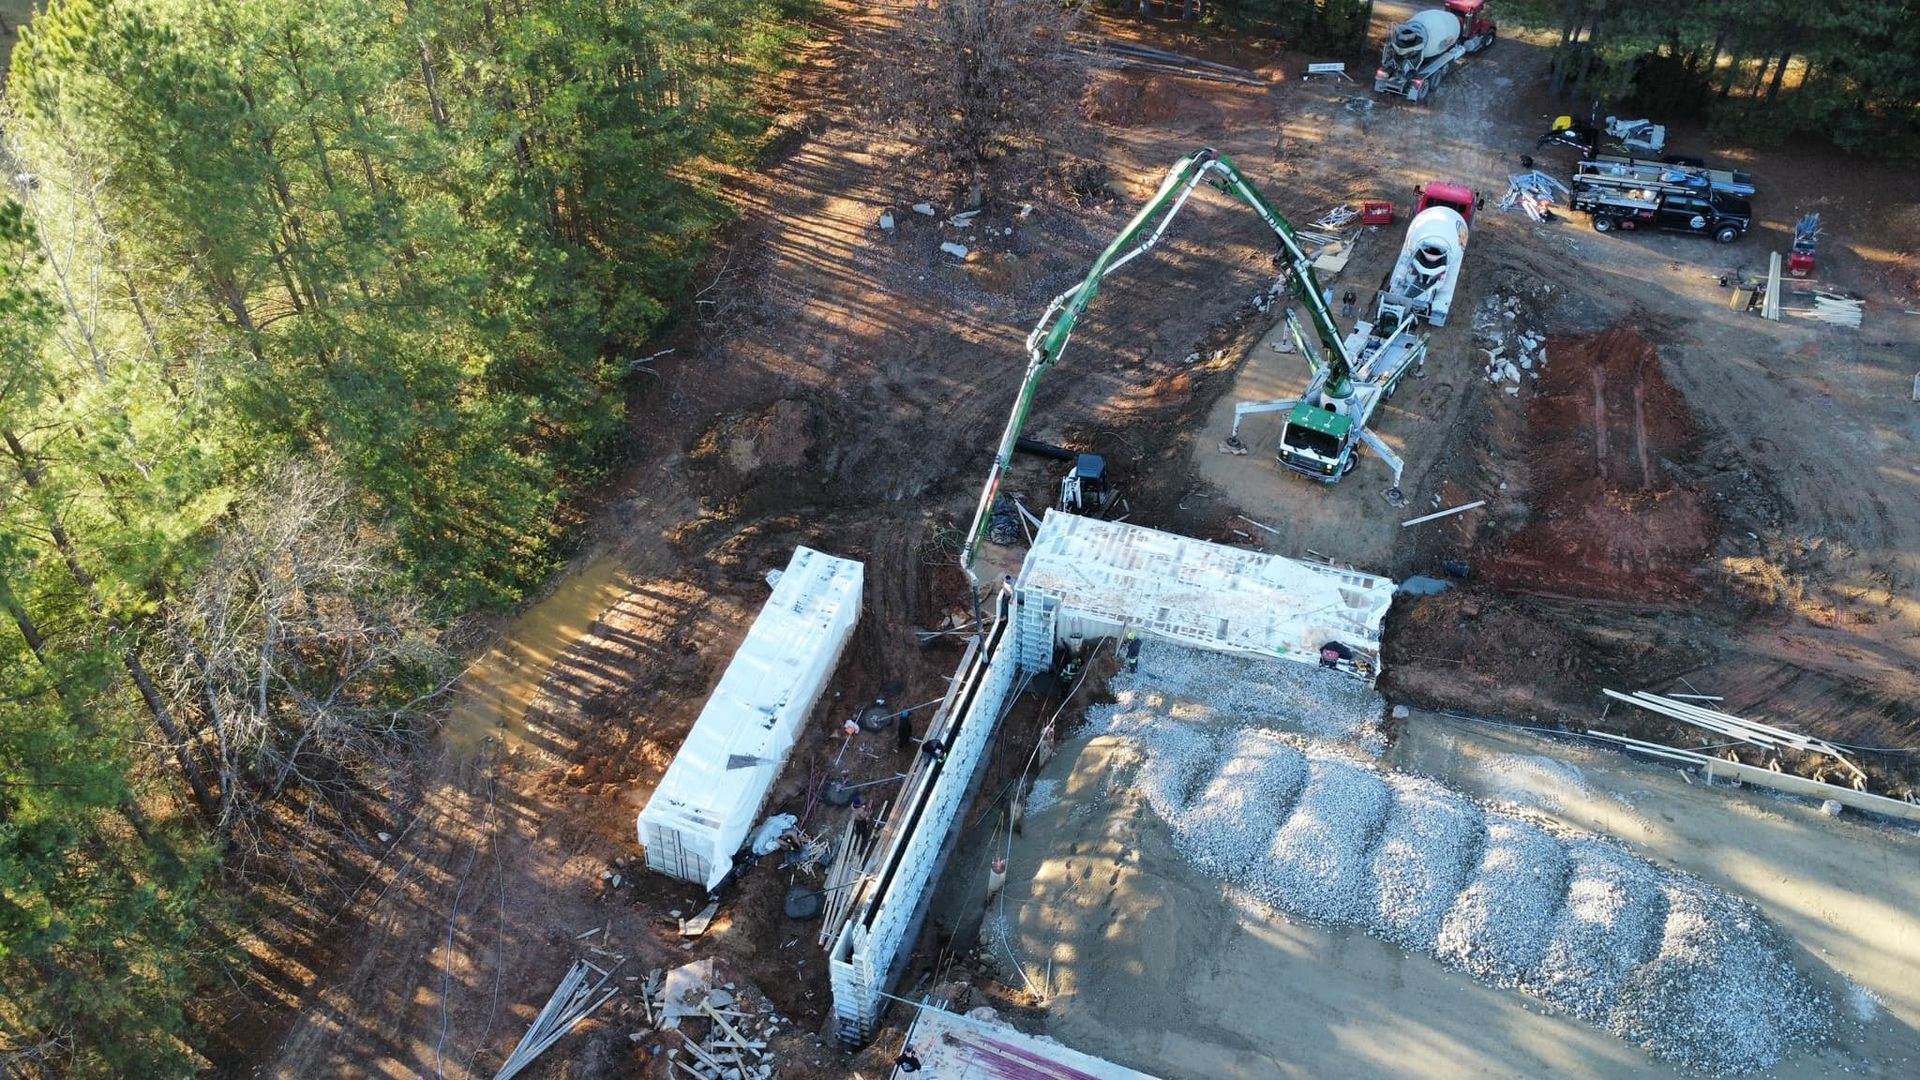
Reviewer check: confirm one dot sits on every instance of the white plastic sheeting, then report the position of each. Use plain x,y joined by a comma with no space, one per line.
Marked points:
1105,575
703,809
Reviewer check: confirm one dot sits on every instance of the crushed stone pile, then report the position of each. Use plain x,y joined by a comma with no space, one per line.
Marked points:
1498,925
1320,863
1253,791
1321,703
1611,923
1659,959
1722,995
1429,846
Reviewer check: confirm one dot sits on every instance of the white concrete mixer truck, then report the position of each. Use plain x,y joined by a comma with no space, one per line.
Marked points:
1424,277
1419,53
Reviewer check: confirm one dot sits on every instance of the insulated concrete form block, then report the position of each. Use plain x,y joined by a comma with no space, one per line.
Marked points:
867,955
704,807
1108,577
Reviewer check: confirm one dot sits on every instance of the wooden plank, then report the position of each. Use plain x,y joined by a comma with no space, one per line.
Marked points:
728,1028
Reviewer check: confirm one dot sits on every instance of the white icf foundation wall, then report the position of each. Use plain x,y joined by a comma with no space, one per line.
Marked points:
867,955
1088,578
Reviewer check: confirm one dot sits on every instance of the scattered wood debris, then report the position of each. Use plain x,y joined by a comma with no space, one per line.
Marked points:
736,1030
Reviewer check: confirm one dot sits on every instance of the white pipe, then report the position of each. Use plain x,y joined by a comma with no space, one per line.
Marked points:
1445,513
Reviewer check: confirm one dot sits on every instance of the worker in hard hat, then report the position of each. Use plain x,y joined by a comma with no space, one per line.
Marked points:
1133,651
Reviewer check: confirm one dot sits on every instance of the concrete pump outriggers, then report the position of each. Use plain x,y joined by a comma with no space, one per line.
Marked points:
1325,426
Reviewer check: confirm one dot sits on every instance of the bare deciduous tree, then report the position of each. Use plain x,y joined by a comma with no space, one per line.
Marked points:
309,663
977,79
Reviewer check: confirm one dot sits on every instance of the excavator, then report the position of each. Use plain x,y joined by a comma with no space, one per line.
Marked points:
1325,426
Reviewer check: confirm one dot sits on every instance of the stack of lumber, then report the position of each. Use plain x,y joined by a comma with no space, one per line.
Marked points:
1838,310
573,1001
1734,727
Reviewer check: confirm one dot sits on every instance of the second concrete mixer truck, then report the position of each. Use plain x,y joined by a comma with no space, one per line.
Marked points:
1419,54
1423,279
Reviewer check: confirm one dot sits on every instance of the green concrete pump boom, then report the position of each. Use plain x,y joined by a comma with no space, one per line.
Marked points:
1049,339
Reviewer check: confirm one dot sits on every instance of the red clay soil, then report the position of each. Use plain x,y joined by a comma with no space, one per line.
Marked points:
1607,520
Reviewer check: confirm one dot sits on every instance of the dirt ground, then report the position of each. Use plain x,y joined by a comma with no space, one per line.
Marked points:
842,387
1602,522
1152,964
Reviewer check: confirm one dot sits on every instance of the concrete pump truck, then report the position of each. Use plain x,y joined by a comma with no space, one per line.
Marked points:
1325,426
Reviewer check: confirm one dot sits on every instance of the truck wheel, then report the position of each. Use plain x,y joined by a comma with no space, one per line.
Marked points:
1602,223
1727,234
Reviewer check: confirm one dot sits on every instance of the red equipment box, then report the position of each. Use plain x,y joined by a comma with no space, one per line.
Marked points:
1376,212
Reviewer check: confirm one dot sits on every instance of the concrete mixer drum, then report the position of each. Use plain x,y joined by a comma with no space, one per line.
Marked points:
1427,34
1419,53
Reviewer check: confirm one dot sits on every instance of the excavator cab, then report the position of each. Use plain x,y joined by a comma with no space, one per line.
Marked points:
1084,489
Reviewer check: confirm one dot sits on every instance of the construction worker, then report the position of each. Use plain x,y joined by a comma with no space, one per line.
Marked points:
1070,670
908,1061
904,733
935,750
1348,302
1133,651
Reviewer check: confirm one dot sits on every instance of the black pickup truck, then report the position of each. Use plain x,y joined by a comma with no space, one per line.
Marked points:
1724,217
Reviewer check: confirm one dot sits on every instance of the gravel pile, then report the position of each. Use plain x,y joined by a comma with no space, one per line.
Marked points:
1661,960
1533,780
1253,790
1722,995
1499,925
1429,846
1181,760
1320,863
1612,922
1283,693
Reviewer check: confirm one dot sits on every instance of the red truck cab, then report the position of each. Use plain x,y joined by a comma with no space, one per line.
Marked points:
1460,197
1474,19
